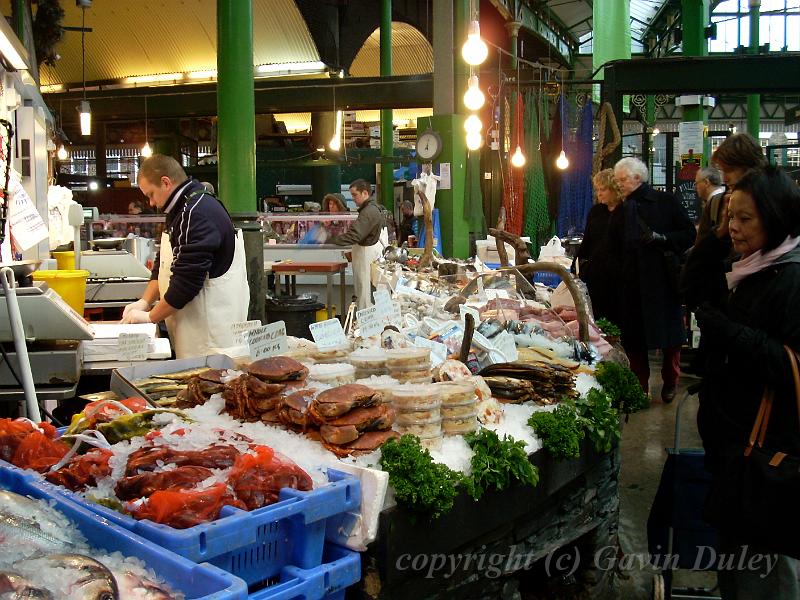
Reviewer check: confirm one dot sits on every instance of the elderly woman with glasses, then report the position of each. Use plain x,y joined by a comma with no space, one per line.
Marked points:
657,232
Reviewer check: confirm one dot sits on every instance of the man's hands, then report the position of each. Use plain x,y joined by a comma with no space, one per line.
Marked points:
140,305
136,316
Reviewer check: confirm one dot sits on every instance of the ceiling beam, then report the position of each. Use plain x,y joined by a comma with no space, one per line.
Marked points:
200,100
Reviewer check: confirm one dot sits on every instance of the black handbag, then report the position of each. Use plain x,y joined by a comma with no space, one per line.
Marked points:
757,494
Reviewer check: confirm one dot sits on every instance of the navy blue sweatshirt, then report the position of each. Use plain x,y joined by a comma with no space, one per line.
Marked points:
202,238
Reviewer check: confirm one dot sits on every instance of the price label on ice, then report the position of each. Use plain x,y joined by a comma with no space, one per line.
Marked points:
395,316
238,330
382,296
468,310
370,321
133,346
268,340
328,333
504,342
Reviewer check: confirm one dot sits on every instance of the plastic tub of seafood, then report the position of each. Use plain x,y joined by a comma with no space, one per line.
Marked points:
408,358
456,392
417,417
334,354
422,430
461,425
332,374
369,360
459,411
367,373
415,397
416,377
380,383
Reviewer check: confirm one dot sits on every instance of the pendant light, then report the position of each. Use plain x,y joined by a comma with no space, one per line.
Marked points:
474,51
473,123
473,97
336,141
83,107
146,150
562,162
62,153
518,158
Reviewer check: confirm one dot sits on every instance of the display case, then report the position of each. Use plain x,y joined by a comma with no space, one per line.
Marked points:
291,228
148,226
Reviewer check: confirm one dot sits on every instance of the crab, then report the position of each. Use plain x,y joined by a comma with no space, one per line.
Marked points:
247,397
349,426
337,401
366,442
293,409
277,368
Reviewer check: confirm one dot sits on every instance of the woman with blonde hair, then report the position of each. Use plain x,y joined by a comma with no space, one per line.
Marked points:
600,256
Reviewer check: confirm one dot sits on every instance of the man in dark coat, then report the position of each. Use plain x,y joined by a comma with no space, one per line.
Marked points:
657,232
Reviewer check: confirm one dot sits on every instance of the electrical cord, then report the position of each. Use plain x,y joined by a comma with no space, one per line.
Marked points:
47,413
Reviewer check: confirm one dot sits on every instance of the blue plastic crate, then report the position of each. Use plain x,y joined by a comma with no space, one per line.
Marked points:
196,581
341,568
549,279
254,545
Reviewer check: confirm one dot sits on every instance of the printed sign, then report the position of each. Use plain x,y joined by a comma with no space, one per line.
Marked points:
468,310
396,315
370,321
25,222
238,329
504,342
133,346
268,340
328,333
382,296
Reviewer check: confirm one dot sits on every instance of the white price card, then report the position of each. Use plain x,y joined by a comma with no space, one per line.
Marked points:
328,333
268,340
504,342
395,316
463,310
438,350
370,321
133,346
382,296
239,328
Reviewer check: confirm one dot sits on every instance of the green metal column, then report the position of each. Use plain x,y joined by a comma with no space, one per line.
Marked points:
754,100
387,132
19,19
236,138
695,18
611,35
236,106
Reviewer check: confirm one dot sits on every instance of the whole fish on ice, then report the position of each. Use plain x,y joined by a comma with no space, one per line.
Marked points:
27,522
84,577
14,586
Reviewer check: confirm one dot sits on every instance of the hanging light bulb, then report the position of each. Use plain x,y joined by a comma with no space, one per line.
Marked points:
336,141
146,150
562,162
474,51
86,117
656,131
474,140
473,123
518,158
474,98
61,153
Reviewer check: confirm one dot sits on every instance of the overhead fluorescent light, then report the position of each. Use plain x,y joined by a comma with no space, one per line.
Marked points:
11,48
86,117
159,77
209,74
52,88
292,68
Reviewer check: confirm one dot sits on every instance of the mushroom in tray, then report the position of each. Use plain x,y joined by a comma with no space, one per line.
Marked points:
277,369
337,401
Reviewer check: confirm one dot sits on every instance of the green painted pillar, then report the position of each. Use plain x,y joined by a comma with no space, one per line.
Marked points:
450,202
695,18
754,100
611,36
236,106
19,19
387,130
236,138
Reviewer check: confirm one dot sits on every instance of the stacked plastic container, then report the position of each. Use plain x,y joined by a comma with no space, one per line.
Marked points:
332,354
369,362
410,365
418,412
459,407
333,374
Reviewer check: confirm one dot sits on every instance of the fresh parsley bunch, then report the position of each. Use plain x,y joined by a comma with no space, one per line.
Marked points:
600,419
607,327
561,430
622,386
419,483
497,464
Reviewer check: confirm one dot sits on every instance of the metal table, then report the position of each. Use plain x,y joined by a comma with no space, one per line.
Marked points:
290,271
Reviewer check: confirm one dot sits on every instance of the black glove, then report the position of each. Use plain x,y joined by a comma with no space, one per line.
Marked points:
715,324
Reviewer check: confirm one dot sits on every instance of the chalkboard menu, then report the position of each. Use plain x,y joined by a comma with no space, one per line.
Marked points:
688,198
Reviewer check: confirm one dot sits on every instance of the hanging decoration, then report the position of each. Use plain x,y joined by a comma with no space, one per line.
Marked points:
515,179
537,220
576,187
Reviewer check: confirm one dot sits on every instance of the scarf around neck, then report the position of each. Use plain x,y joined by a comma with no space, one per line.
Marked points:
758,261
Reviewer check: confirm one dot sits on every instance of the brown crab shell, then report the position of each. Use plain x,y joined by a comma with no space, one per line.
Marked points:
277,368
337,401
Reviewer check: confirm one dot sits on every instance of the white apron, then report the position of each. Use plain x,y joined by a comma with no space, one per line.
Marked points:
363,257
205,322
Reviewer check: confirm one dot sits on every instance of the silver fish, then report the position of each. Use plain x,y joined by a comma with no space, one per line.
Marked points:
14,586
89,579
18,523
131,585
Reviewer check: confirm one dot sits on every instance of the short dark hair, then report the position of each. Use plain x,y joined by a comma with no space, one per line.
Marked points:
777,199
740,150
361,185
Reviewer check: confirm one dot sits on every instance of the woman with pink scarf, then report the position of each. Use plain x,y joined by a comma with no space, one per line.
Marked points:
747,311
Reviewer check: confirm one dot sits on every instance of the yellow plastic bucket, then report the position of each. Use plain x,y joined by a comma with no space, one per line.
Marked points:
322,313
65,260
70,284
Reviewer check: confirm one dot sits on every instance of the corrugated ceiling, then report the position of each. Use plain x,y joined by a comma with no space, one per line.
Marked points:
145,37
411,53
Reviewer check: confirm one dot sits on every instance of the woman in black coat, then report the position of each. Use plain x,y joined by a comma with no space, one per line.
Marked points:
657,232
747,312
601,253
